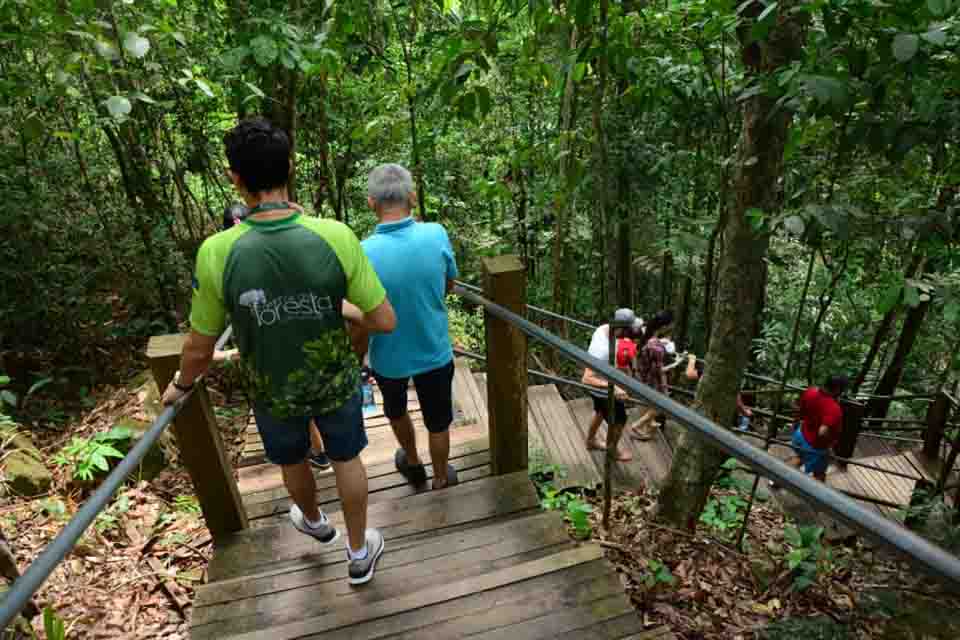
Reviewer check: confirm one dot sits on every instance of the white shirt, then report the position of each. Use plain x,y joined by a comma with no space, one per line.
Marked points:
600,343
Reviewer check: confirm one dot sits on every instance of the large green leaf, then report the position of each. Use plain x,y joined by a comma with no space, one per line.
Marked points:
937,36
938,7
265,50
827,89
136,45
905,46
119,107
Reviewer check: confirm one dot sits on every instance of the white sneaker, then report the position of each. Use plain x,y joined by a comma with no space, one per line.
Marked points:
325,532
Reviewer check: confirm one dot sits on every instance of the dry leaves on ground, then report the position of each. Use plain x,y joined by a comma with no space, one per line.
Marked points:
134,572
704,588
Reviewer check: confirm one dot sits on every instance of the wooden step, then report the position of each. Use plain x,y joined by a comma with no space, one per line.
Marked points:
255,550
472,401
244,605
383,487
380,451
575,579
554,431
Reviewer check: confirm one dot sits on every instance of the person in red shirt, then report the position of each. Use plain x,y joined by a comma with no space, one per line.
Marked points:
821,421
627,355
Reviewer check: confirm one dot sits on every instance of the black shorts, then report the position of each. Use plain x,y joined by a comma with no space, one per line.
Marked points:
601,406
434,389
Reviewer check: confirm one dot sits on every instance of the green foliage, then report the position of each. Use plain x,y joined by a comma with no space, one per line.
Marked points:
90,456
53,625
466,327
658,574
187,504
806,556
576,510
724,514
110,517
819,628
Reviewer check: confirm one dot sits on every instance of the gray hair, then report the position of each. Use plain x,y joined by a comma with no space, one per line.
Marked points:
390,184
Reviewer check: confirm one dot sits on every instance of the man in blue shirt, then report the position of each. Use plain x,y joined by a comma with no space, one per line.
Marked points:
416,265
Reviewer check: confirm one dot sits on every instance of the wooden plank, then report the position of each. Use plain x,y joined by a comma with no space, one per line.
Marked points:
327,480
335,555
466,439
480,389
414,568
267,502
613,629
199,443
505,283
546,524
400,489
252,550
462,391
561,620
478,612
415,601
559,432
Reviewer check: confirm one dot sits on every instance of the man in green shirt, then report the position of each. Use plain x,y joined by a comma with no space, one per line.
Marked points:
288,283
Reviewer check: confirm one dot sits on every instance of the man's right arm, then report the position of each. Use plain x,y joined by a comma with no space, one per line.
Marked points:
380,319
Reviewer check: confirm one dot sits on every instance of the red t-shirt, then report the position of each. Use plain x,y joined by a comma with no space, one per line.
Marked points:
820,409
626,352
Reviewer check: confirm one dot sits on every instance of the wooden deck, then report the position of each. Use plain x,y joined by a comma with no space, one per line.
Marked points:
479,559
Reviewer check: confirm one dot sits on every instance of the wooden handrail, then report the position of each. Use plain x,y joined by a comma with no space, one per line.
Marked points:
201,448
505,283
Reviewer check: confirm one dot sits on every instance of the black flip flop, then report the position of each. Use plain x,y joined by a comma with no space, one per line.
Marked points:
416,474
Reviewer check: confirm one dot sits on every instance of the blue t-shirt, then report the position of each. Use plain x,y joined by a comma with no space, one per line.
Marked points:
414,261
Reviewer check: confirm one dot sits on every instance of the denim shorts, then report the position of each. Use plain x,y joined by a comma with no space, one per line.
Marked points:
814,460
287,441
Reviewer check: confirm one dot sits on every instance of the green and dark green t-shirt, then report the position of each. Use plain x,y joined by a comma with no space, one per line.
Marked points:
283,281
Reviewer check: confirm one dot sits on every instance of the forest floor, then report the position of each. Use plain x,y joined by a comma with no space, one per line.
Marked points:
134,572
786,583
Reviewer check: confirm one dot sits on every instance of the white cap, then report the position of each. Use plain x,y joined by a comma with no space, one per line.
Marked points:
624,317
638,325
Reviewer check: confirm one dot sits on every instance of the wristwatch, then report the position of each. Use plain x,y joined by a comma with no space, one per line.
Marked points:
182,387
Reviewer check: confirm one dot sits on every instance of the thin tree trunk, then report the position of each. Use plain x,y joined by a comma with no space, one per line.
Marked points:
683,315
759,168
823,305
877,407
561,281
883,329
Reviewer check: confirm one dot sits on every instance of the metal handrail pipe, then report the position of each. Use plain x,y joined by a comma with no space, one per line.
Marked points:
921,553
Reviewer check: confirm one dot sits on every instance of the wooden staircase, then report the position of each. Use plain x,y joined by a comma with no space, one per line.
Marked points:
478,560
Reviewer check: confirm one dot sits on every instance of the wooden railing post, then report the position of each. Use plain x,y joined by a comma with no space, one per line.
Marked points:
201,448
937,414
505,282
853,414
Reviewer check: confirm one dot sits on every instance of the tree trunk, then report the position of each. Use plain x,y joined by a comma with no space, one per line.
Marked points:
756,184
683,313
561,281
886,323
823,305
877,407
283,114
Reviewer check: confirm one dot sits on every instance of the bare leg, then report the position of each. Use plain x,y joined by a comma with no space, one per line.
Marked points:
303,489
593,442
406,437
623,455
641,428
439,456
316,442
352,487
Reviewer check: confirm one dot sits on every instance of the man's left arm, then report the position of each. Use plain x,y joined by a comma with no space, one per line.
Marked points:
194,362
450,261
